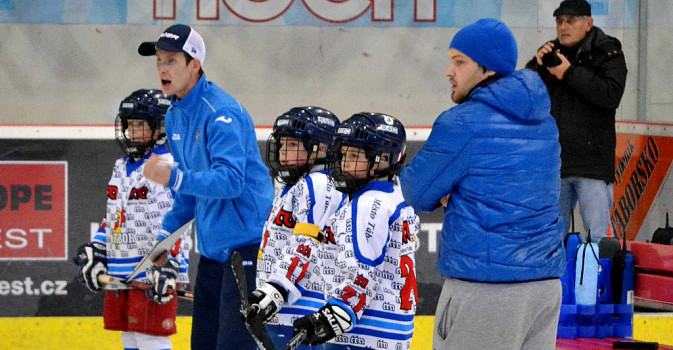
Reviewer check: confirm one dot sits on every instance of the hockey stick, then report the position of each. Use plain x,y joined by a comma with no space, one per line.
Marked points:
256,328
107,279
165,245
296,340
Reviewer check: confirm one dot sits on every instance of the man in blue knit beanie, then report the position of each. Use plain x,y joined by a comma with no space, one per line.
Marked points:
494,162
490,43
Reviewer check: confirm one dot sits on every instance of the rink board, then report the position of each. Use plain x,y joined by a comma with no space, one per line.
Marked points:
41,280
32,286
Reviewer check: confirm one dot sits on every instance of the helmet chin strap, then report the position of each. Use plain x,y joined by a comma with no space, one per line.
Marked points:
385,178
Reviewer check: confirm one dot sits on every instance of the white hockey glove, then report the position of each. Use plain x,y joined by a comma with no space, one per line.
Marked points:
265,302
164,279
326,324
92,261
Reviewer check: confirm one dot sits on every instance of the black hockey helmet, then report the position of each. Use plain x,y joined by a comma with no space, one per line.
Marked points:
143,104
314,126
384,141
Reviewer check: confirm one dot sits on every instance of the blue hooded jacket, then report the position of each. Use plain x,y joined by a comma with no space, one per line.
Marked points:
221,179
498,156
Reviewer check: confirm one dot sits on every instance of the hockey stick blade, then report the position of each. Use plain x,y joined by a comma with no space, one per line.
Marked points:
296,340
107,279
159,248
256,329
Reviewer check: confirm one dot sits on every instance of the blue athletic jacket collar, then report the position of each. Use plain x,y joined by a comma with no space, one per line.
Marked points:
193,96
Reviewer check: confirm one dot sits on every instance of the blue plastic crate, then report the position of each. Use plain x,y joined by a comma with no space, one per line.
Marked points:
595,321
603,320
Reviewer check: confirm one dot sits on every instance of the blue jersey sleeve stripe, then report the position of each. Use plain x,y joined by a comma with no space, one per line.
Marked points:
309,303
116,274
356,247
313,295
388,315
124,260
121,268
310,294
343,201
133,165
285,190
289,310
124,275
311,194
402,327
381,334
396,214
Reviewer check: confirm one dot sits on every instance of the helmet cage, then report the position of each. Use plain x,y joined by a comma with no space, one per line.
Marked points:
123,137
314,126
287,174
345,182
147,105
384,152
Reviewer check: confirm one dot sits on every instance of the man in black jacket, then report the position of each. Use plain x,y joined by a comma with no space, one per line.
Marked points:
585,72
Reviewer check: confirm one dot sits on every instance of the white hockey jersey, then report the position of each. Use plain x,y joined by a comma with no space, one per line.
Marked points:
368,265
283,254
135,208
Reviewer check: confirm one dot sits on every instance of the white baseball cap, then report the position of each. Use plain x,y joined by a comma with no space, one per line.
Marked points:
177,38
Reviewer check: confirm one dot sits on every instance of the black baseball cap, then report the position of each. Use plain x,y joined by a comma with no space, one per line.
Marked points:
574,8
177,38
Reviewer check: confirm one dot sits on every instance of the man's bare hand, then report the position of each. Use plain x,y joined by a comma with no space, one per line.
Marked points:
558,71
445,200
157,170
547,48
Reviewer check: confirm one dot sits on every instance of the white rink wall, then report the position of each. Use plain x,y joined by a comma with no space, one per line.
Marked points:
72,61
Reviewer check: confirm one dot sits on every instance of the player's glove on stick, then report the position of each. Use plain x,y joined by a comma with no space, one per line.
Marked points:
265,302
326,324
164,279
92,261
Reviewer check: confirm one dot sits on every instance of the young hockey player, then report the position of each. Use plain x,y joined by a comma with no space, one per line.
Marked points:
367,260
296,153
135,208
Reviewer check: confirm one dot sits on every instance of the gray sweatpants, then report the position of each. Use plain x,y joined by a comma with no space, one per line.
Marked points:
505,316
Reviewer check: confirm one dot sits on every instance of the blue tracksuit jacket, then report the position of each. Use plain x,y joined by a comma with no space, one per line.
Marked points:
221,179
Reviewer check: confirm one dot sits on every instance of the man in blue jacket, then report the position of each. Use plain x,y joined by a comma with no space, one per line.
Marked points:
494,162
219,179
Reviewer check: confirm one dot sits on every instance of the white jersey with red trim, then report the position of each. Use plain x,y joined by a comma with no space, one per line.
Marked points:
311,200
135,208
368,265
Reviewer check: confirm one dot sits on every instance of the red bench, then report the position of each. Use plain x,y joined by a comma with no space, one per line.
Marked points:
654,275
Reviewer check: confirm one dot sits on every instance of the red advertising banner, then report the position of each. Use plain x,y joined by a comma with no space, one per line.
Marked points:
641,165
33,210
